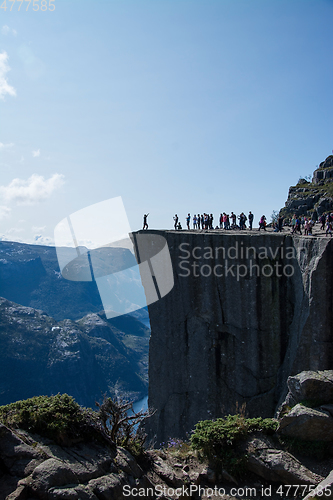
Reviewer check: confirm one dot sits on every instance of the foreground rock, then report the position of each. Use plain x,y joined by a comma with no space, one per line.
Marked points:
43,470
308,424
310,386
307,412
35,468
277,465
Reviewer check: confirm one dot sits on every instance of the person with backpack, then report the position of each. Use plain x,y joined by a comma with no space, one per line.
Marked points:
227,222
241,218
176,221
262,223
233,218
298,226
293,224
188,220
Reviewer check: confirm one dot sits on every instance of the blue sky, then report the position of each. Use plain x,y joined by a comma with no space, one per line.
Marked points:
174,105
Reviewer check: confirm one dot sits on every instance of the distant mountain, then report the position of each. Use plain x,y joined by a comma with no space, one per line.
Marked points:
111,352
83,358
30,275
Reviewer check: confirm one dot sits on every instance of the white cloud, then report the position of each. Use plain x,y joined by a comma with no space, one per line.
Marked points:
5,88
36,153
31,191
5,146
4,212
38,229
43,240
5,30
14,230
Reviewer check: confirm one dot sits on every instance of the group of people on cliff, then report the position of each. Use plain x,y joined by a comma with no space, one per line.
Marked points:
226,221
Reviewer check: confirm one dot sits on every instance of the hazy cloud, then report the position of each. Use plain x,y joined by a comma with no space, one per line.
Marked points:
34,67
37,229
31,191
14,230
4,212
6,30
43,240
5,146
36,153
5,88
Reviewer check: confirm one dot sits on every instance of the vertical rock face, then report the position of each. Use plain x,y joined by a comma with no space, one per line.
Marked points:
246,311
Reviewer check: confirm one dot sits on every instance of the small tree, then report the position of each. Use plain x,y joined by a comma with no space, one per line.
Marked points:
122,424
274,216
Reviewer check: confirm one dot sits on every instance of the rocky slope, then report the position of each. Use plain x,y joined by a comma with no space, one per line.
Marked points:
86,358
313,198
33,467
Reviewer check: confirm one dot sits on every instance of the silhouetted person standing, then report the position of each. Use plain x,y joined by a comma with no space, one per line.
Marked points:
250,219
188,220
145,224
176,221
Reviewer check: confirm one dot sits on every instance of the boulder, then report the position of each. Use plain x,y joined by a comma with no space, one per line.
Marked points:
167,473
15,454
308,424
277,465
310,386
51,473
109,487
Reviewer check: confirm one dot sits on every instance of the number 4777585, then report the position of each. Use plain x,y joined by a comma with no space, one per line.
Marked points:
36,4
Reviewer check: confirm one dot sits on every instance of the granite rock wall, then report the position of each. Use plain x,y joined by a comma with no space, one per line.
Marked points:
246,311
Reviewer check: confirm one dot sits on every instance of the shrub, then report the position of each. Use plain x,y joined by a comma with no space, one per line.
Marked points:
57,417
215,439
63,420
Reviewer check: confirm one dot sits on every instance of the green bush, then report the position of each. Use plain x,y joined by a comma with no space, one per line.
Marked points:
63,420
215,439
57,417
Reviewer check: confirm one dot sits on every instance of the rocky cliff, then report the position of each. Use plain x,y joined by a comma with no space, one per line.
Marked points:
246,312
313,198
